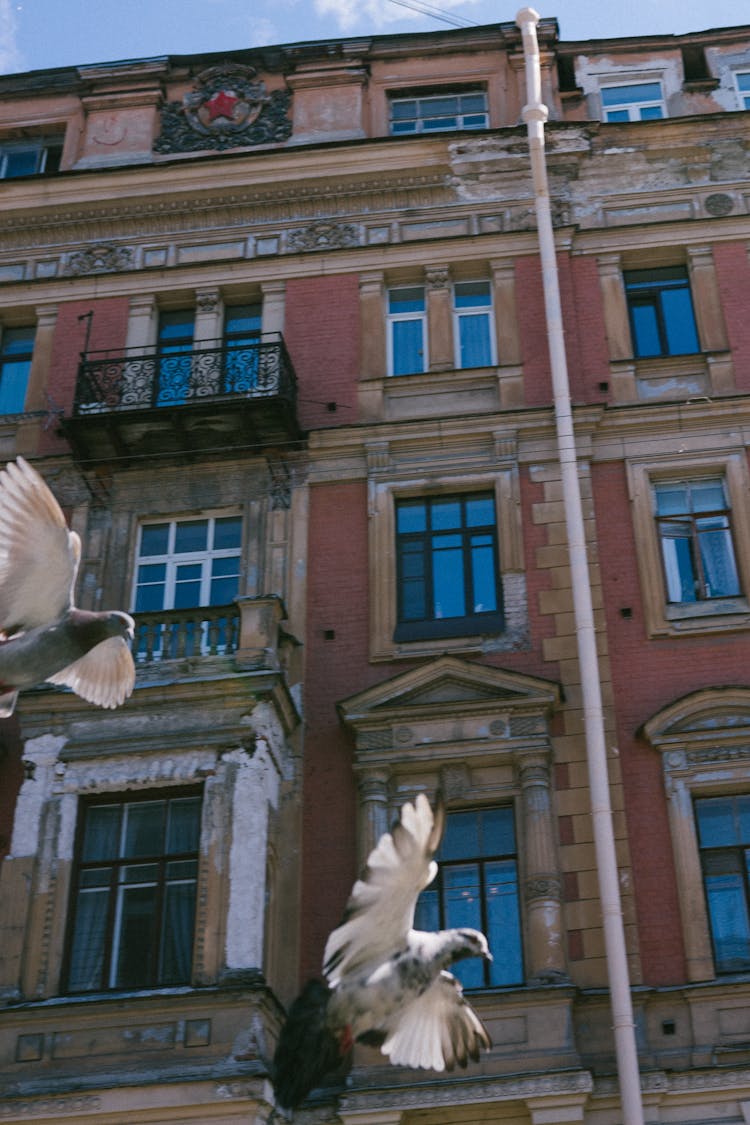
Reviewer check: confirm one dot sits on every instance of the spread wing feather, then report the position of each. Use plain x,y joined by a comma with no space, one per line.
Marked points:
439,1030
105,675
38,554
380,910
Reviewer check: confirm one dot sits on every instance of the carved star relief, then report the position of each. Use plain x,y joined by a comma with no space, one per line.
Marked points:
221,104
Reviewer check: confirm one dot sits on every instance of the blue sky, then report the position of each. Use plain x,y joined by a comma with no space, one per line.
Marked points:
36,34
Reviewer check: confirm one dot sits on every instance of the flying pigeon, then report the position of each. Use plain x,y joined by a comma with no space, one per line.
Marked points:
43,637
387,984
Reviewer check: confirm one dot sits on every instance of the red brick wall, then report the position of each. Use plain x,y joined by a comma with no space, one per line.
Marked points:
647,675
108,331
11,776
733,274
322,333
585,338
335,668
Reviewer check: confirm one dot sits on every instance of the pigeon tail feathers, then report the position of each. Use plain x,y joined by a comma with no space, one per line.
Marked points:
308,1050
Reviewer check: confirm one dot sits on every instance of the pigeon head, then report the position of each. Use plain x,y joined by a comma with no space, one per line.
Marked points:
471,943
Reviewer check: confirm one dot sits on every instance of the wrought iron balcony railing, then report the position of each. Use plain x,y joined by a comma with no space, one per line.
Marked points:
142,379
185,634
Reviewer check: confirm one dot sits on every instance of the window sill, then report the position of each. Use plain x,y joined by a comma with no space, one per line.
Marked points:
446,628
673,377
457,391
701,617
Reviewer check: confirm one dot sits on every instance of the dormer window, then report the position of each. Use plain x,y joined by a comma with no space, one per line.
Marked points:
436,111
30,158
636,101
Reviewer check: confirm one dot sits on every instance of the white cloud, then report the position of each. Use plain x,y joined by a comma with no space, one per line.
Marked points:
349,13
262,31
11,58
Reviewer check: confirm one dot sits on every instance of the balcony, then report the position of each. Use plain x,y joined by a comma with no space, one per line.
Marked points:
185,634
213,400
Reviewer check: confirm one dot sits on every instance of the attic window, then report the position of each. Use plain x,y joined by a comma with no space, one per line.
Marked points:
30,157
448,109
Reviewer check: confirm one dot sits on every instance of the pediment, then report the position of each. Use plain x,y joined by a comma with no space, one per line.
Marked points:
446,684
715,714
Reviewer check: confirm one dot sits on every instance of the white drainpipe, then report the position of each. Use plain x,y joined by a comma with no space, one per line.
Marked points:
535,114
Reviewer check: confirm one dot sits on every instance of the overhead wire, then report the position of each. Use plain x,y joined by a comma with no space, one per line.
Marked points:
434,12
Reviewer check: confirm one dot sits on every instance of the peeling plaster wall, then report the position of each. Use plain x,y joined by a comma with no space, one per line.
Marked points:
592,72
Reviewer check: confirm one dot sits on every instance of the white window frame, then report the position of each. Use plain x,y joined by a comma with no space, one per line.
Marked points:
393,318
172,559
487,311
633,108
435,95
743,95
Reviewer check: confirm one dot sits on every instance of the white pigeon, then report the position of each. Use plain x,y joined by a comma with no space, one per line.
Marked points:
43,637
387,984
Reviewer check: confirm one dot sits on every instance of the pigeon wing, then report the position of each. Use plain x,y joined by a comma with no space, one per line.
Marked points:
105,675
38,554
439,1030
380,910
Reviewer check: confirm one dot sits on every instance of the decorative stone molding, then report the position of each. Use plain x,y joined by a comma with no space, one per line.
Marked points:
106,257
226,108
703,740
323,236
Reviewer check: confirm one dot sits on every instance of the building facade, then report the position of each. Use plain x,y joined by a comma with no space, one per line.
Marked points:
272,327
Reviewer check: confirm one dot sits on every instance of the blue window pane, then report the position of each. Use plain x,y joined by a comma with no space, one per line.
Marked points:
472,294
408,347
646,330
187,588
461,837
503,923
446,514
480,512
242,320
151,586
183,825
17,341
227,532
191,535
650,112
618,115
717,557
88,945
177,934
475,347
427,913
14,379
743,81
475,121
409,299
144,828
707,495
22,162
403,109
448,581
716,822
463,907
223,590
404,127
498,831
432,124
412,517
682,338
730,926
102,833
631,94
678,566
412,585
137,931
176,328
473,103
154,539
743,819
483,574
672,499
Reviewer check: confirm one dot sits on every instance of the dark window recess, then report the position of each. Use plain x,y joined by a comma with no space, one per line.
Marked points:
661,312
695,65
448,571
477,886
566,75
29,158
133,899
724,839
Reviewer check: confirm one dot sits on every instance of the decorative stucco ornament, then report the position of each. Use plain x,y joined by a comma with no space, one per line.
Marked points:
227,108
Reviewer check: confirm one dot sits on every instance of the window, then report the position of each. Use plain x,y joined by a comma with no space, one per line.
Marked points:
724,840
695,534
186,563
472,312
407,330
29,158
447,567
447,110
16,348
742,78
636,101
133,899
175,347
242,324
661,312
183,564
477,886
